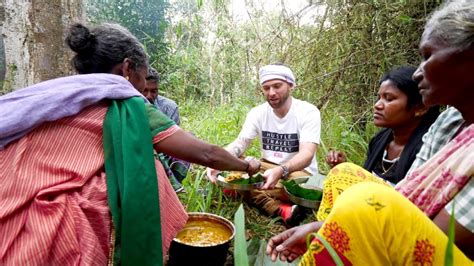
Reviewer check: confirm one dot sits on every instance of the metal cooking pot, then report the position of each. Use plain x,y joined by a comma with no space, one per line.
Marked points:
213,254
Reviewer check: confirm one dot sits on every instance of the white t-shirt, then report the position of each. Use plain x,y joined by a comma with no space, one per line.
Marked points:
280,137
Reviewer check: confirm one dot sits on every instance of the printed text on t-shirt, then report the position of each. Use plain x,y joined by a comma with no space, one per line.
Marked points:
287,143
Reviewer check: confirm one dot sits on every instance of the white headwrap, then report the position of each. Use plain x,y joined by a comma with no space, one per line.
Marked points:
270,72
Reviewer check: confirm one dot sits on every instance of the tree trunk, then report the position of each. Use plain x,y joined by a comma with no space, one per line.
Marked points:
33,33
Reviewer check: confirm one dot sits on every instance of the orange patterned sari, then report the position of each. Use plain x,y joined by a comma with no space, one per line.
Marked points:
372,224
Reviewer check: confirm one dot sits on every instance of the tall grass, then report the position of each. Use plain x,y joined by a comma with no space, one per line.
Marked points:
217,124
340,133
220,125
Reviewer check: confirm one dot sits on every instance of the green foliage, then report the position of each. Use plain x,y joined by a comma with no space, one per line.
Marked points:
299,191
240,250
217,124
201,194
449,257
338,59
144,18
340,133
357,42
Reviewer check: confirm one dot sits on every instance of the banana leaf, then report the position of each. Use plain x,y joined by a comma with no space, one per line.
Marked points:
299,191
240,245
448,258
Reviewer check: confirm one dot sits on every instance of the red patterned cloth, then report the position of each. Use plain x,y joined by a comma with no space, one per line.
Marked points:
435,183
53,195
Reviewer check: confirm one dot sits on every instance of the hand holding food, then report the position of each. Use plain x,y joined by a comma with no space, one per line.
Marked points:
240,181
254,166
272,176
212,174
242,178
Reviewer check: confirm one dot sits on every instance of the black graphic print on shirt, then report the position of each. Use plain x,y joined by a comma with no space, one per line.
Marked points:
287,143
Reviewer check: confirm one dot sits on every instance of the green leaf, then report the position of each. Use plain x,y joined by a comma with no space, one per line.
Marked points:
299,191
258,177
448,259
405,18
253,247
326,245
240,245
199,3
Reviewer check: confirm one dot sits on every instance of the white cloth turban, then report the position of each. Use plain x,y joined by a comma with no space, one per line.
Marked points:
281,72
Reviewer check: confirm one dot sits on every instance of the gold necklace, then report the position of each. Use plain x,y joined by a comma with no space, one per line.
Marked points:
386,170
394,163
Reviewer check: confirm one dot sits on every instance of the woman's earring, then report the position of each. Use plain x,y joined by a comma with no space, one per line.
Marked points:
421,113
127,78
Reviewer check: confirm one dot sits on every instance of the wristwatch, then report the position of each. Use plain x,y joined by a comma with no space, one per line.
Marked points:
286,171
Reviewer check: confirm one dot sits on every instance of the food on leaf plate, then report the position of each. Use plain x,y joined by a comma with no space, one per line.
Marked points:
242,178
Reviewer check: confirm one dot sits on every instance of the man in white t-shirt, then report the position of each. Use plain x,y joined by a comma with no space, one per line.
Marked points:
288,129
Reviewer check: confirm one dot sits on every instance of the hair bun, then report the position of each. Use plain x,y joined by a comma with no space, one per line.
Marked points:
80,38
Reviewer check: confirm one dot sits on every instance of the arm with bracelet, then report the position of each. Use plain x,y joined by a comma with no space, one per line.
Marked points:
236,148
301,160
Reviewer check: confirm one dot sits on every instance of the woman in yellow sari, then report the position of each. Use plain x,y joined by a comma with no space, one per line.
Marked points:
370,223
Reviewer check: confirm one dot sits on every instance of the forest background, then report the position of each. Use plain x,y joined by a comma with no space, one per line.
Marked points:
208,55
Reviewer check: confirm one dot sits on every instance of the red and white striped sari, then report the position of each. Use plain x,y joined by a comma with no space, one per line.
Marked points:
53,195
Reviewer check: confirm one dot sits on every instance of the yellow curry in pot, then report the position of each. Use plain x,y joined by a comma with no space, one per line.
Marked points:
203,233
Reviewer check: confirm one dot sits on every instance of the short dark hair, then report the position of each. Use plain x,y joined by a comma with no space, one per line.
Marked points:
153,74
100,49
401,77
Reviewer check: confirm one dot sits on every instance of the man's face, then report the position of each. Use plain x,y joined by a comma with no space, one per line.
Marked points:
276,92
151,90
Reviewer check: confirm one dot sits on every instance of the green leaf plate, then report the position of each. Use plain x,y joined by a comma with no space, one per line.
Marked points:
312,204
245,184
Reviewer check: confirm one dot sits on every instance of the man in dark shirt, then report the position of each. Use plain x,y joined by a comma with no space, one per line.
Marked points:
176,169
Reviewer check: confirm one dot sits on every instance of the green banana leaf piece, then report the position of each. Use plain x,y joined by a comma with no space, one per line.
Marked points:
299,191
449,257
240,245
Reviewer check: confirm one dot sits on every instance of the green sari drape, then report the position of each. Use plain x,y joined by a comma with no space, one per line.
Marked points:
132,187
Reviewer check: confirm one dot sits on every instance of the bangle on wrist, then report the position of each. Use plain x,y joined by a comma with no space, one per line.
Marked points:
248,166
286,171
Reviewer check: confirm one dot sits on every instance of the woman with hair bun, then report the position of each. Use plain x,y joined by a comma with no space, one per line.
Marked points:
80,183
